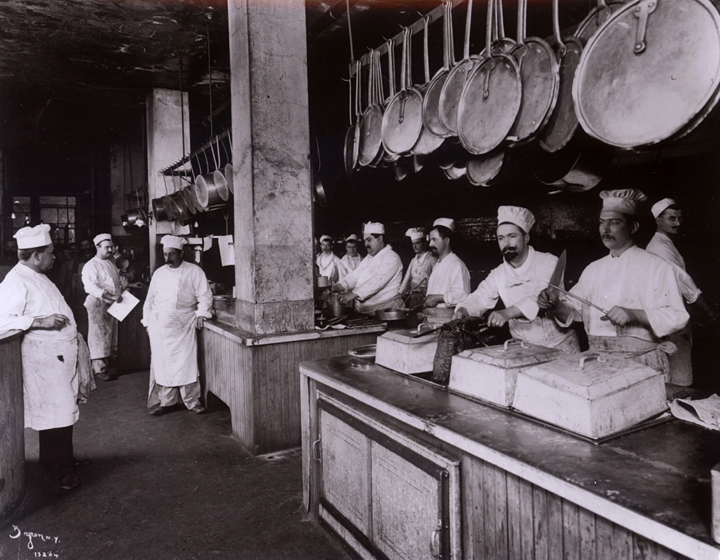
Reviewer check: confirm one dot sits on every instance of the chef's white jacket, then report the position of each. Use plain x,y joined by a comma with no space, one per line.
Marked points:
662,246
451,279
376,281
520,287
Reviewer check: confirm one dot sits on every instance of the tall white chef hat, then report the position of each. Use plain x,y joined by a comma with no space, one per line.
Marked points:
521,217
415,233
101,237
324,237
352,237
173,242
374,227
446,222
662,205
621,200
33,237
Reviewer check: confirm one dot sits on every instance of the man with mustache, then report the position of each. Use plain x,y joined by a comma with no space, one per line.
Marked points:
636,288
669,219
517,282
178,302
449,282
375,284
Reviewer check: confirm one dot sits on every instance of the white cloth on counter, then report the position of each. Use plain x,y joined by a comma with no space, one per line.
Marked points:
176,297
520,287
418,272
376,281
351,263
450,278
635,280
331,266
662,246
705,412
49,357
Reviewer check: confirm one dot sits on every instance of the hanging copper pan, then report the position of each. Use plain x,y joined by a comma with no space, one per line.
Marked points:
227,170
578,167
563,122
170,211
371,121
482,171
402,119
350,150
188,194
427,142
431,102
491,97
540,77
651,73
158,210
389,156
597,17
455,82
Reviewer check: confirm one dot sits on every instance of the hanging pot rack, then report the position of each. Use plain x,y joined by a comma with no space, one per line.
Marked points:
212,144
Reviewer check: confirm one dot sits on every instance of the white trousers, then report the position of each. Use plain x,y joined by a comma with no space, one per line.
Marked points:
190,394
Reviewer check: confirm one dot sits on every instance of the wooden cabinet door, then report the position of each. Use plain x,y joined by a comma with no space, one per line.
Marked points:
407,507
345,476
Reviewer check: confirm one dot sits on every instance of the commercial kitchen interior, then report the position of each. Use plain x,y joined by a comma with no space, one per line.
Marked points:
100,99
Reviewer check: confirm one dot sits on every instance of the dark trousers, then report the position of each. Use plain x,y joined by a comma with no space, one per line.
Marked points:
56,452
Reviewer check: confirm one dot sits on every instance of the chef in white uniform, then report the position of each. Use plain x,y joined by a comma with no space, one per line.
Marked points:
375,284
449,283
178,302
414,285
55,360
351,259
518,281
329,264
636,288
669,218
104,286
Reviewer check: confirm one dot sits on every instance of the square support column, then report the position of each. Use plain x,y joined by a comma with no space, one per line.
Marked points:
165,116
273,201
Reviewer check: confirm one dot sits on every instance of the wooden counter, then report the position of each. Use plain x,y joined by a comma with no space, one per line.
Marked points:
256,377
525,490
12,425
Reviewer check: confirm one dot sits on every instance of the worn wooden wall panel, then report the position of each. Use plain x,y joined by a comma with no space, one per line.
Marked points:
261,384
12,424
507,517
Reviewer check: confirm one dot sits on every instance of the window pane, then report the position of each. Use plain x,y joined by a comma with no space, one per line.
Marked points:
62,216
53,201
71,215
49,215
71,235
71,201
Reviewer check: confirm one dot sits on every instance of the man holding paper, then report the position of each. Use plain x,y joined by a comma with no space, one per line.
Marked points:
104,285
178,302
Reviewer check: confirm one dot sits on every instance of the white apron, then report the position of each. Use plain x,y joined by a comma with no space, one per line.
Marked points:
173,343
102,329
50,383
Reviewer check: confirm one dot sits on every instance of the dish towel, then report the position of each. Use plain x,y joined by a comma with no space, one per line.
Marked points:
705,412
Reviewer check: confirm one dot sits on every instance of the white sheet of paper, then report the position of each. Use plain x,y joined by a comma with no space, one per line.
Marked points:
227,250
207,243
123,309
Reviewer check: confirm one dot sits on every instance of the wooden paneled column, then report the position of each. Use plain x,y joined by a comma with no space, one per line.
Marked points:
166,110
273,203
12,421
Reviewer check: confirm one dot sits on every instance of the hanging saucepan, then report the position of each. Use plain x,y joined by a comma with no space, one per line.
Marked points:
540,76
402,168
427,141
227,170
402,120
179,208
431,102
169,208
482,171
459,167
350,150
563,121
218,177
578,167
371,121
158,210
455,82
192,189
651,73
490,99
389,156
597,17
188,194
209,189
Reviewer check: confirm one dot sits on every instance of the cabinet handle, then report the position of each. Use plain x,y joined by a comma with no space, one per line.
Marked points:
315,453
435,550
